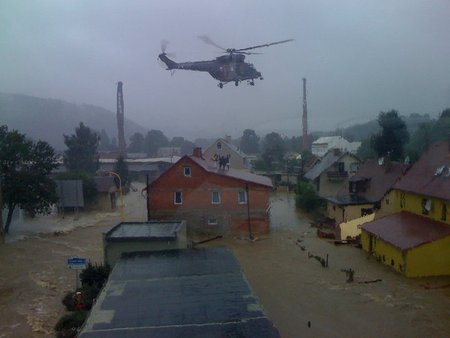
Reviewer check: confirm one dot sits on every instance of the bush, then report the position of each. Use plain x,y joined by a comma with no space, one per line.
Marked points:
307,199
69,324
95,275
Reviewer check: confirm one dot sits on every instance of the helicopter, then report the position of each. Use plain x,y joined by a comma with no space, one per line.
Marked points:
230,67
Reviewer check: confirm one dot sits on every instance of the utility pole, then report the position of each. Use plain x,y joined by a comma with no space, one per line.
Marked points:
250,234
120,121
305,145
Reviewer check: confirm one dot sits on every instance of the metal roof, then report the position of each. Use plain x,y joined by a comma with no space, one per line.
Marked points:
405,230
178,293
144,230
430,175
233,173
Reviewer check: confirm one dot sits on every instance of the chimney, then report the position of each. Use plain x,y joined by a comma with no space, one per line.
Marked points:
387,163
197,152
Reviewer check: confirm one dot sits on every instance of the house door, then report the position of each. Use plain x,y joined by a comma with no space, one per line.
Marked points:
113,201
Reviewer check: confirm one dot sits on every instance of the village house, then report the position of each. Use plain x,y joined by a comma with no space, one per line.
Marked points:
364,195
324,144
223,147
331,173
415,240
213,200
107,192
140,167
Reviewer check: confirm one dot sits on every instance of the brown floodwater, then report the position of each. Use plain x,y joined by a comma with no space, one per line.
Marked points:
294,290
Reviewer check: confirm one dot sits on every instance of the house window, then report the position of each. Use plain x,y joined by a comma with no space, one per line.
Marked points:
444,212
354,166
178,197
426,206
212,221
352,186
187,171
242,197
219,145
402,200
215,197
341,167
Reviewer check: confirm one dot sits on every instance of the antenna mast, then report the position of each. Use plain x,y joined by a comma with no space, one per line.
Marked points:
120,120
305,119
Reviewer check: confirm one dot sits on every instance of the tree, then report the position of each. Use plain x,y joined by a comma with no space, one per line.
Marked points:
366,151
307,199
273,149
393,136
249,143
154,140
121,168
82,150
428,133
104,142
24,168
136,143
186,146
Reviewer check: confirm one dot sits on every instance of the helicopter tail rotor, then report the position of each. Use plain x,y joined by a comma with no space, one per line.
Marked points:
164,44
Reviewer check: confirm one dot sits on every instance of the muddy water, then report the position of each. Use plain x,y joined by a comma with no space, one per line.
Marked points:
293,289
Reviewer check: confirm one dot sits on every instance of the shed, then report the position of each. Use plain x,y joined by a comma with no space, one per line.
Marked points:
129,237
178,293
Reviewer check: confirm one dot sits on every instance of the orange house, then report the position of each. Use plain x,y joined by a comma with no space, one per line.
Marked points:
213,200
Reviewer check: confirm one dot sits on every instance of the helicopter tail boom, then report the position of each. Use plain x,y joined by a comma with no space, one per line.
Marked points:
169,63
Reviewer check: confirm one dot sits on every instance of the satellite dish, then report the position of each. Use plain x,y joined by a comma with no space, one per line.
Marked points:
439,170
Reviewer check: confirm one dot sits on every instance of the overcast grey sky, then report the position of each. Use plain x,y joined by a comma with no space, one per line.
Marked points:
359,58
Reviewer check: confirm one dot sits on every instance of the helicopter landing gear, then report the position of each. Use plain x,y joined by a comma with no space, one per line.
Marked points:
220,85
236,83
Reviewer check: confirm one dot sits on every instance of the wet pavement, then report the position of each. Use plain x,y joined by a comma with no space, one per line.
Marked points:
302,298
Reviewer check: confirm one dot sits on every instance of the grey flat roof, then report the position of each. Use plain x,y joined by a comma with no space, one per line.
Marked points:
144,230
178,293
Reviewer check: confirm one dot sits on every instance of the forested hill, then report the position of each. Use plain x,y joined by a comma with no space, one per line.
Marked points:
49,119
359,132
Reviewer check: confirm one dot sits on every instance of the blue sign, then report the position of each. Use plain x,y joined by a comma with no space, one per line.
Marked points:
76,263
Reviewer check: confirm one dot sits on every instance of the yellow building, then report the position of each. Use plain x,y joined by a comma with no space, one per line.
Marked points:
413,245
415,240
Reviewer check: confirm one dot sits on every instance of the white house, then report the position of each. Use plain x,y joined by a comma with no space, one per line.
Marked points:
323,144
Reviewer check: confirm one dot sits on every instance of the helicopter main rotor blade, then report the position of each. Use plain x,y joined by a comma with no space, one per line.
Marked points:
206,39
246,53
265,45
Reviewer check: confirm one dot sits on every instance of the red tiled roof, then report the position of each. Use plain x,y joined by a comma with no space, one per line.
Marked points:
423,177
233,173
405,230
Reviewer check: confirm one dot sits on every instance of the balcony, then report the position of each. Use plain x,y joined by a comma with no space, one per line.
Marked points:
337,175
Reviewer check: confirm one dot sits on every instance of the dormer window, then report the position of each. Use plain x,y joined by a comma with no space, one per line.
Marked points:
187,171
219,145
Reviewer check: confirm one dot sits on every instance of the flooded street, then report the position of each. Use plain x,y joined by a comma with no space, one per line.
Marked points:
295,290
